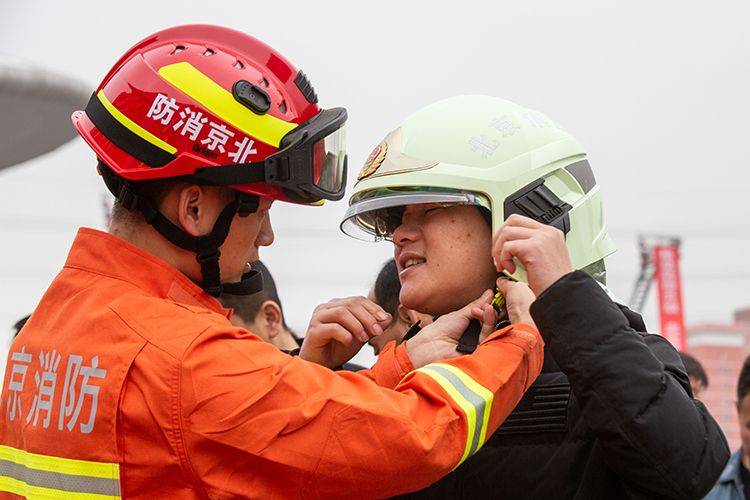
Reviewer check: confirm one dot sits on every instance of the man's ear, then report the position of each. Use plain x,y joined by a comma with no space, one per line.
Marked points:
270,315
191,209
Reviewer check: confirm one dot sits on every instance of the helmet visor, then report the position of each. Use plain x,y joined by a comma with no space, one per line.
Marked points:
329,162
376,215
312,162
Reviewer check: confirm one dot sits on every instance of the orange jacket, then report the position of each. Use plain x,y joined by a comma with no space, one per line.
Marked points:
129,380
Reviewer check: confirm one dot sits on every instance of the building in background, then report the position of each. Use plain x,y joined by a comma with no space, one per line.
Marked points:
721,349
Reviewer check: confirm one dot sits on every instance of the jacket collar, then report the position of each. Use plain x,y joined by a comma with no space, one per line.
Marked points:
731,471
102,253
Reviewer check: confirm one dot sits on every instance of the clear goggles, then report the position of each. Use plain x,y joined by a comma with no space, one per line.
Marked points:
312,158
309,166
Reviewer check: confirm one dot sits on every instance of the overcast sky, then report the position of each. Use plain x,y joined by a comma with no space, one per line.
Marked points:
656,91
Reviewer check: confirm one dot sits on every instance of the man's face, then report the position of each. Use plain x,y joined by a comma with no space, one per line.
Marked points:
250,326
395,331
443,257
402,321
246,235
743,412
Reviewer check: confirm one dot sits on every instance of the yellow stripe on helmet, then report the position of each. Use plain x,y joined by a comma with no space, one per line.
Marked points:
185,77
132,126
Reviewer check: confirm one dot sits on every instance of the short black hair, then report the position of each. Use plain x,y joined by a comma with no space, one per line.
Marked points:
694,368
387,288
247,306
743,382
19,324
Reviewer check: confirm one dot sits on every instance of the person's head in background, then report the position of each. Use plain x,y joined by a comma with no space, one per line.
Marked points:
385,293
261,313
696,373
743,410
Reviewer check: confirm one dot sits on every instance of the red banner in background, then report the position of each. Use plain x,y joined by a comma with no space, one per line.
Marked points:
667,272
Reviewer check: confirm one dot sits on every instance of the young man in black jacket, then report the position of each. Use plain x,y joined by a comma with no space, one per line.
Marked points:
612,415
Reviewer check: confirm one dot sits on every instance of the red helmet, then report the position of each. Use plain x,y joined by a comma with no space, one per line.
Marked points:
223,109
221,106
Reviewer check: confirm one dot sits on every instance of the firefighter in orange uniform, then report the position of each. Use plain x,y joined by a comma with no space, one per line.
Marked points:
129,379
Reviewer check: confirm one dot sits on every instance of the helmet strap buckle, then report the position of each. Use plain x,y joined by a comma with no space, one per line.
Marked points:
127,197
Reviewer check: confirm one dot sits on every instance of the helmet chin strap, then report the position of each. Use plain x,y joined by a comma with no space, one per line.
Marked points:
205,247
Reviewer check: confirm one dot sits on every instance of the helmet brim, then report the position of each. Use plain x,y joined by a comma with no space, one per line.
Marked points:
363,218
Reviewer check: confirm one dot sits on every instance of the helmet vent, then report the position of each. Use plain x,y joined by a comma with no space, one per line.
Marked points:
282,106
208,52
178,49
239,65
304,86
264,83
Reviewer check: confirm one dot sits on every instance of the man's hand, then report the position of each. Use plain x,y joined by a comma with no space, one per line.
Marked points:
539,247
339,328
518,300
438,340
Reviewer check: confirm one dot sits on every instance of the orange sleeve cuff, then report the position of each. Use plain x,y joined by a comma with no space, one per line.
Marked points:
392,365
521,330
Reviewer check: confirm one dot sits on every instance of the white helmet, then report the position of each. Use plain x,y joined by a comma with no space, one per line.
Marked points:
483,151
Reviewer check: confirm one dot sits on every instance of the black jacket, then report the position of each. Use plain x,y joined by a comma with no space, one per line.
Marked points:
611,416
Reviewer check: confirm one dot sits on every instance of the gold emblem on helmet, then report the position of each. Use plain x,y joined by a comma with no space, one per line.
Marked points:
373,161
